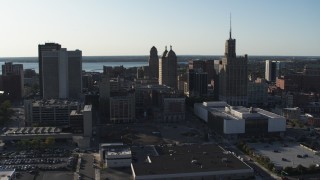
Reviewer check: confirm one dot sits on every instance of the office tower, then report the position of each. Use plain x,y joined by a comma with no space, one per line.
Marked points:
207,66
233,78
153,63
197,83
41,48
271,71
168,69
61,74
12,80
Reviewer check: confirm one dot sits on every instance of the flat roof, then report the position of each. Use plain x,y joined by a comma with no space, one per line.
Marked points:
5,173
31,130
54,102
185,159
87,108
244,112
118,150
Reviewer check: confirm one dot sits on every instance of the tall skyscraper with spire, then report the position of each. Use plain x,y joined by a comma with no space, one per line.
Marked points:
153,63
168,69
233,75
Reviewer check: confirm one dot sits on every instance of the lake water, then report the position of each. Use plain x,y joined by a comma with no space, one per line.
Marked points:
87,66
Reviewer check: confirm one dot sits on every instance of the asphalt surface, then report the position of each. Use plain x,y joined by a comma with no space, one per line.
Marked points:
87,171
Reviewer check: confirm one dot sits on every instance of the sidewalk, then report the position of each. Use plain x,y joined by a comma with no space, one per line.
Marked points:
76,173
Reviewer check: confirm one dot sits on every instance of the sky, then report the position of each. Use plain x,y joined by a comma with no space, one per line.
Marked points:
132,27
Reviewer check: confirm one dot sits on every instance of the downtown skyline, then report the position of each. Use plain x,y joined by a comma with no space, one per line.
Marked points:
110,28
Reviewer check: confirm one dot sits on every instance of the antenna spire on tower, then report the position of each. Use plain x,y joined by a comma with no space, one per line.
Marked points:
230,26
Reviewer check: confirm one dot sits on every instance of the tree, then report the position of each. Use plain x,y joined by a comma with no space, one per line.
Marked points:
288,170
5,112
270,166
49,141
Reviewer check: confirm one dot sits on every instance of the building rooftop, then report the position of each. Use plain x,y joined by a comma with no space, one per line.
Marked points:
221,108
54,102
4,174
76,113
31,131
87,108
184,159
118,150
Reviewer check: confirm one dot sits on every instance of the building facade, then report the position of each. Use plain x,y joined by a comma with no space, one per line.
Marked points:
122,108
12,80
153,63
61,74
49,112
168,69
238,120
271,71
257,93
42,48
233,76
173,109
197,83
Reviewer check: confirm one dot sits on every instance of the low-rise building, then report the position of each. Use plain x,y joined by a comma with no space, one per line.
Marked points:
7,174
207,161
291,113
115,155
238,120
16,133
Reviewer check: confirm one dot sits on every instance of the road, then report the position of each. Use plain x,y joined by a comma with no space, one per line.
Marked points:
87,171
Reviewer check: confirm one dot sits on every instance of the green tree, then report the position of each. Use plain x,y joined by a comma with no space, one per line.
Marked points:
49,141
270,166
5,112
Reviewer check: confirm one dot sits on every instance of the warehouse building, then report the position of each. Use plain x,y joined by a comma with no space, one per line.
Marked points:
196,161
238,120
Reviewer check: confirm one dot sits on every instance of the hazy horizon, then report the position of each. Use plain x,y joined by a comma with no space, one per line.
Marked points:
131,28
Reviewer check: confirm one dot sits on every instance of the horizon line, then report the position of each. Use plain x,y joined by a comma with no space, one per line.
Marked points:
160,55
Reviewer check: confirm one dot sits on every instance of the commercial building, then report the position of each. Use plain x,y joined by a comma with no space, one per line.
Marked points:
147,98
206,66
159,103
233,76
168,69
291,113
257,93
42,48
196,161
122,107
238,120
76,122
49,112
7,174
12,80
81,121
115,155
153,64
87,121
173,109
197,83
16,133
61,74
301,81
271,72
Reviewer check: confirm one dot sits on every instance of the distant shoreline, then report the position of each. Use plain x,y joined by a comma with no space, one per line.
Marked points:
181,58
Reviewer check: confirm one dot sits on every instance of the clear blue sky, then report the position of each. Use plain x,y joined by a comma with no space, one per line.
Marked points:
132,27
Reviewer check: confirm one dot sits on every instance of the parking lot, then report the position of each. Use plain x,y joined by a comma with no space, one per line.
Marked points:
34,161
286,154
